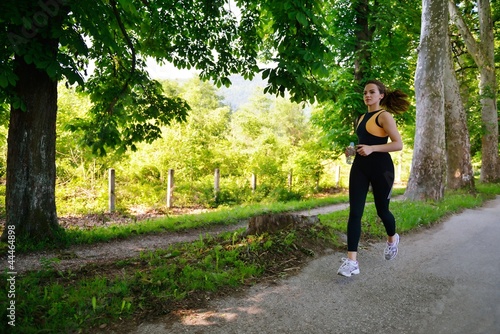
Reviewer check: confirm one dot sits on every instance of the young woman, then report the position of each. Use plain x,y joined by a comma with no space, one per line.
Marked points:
373,165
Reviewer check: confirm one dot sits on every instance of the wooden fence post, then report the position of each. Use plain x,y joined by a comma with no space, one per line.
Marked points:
170,187
111,190
216,183
254,182
337,176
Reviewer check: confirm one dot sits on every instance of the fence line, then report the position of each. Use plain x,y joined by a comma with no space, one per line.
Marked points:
216,183
171,185
111,190
170,188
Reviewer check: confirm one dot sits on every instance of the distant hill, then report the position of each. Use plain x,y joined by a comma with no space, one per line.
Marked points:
240,90
234,96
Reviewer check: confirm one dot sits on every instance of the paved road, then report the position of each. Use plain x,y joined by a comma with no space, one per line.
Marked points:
446,279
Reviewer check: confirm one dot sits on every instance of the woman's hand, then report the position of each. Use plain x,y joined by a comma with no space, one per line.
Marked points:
364,150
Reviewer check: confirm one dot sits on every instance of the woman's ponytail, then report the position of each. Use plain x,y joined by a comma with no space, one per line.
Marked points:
395,101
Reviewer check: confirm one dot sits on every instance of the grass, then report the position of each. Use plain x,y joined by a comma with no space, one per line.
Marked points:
157,282
186,275
409,215
221,216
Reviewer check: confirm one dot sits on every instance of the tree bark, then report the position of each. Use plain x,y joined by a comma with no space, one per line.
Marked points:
428,171
30,189
364,35
487,89
489,116
483,54
460,174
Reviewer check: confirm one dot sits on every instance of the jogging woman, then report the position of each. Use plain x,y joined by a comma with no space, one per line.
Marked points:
373,165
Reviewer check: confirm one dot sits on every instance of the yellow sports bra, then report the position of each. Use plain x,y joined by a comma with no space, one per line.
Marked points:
372,126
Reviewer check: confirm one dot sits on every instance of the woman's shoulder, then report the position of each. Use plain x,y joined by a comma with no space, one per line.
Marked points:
384,114
385,117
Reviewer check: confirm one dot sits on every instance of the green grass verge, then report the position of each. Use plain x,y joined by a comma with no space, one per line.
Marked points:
221,216
157,282
411,215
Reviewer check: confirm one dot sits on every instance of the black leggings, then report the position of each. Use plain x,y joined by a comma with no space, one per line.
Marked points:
377,169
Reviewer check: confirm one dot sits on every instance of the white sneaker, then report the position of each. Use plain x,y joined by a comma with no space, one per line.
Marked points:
348,268
391,250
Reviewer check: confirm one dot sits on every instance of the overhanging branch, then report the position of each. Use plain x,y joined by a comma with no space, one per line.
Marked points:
128,40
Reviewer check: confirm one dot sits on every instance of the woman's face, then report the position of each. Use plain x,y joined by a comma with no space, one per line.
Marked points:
371,95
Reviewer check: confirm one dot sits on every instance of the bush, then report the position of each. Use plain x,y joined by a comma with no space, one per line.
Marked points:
284,195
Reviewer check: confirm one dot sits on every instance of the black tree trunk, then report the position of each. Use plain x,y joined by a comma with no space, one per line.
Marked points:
364,34
30,192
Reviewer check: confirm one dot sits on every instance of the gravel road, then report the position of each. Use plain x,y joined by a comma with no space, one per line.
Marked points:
446,279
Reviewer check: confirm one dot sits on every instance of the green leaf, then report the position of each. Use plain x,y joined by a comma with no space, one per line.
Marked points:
4,82
265,73
52,69
12,78
73,77
128,6
28,58
302,19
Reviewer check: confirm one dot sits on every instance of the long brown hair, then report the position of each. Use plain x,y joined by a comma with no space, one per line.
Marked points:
395,101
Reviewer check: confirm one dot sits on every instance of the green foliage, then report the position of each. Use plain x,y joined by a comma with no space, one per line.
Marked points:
221,216
61,39
117,36
310,51
266,137
468,74
296,30
119,124
363,44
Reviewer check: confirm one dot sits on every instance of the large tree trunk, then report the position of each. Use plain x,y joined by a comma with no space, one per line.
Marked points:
460,173
487,89
489,116
483,54
30,195
364,35
427,176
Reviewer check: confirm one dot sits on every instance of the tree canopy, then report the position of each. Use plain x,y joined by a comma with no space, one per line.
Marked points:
372,40
215,37
49,41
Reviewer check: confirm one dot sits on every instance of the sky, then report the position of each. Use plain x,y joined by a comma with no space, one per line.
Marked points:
167,71
234,96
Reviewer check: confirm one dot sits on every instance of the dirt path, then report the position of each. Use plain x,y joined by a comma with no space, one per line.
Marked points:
80,255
